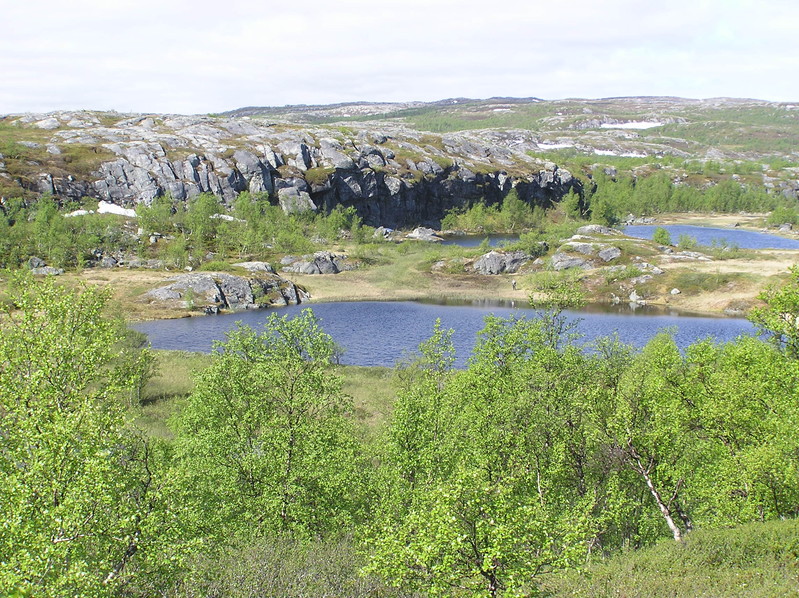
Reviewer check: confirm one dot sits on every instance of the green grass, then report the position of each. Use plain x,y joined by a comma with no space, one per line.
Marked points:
216,266
629,271
372,390
757,560
693,282
164,392
318,176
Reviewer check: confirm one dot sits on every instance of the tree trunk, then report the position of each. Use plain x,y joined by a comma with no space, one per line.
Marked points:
664,508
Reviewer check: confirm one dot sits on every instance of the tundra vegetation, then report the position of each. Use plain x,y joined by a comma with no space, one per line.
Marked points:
538,463
541,468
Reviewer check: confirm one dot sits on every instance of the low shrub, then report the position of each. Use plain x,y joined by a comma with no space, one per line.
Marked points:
626,273
661,236
757,560
215,266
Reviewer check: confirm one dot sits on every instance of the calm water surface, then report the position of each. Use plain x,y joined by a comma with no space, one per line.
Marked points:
705,235
476,240
381,333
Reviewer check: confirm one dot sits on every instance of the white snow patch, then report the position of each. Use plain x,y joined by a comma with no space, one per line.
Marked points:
104,207
226,217
548,146
621,154
643,124
78,213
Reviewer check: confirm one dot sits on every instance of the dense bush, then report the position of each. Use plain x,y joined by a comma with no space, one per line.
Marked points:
536,459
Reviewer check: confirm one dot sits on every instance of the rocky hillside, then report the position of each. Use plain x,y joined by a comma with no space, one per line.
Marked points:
392,174
398,164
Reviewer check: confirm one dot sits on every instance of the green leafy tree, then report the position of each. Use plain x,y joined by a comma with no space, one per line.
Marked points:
516,213
661,236
647,426
743,407
420,414
779,318
652,194
199,226
489,500
573,205
160,215
264,442
77,484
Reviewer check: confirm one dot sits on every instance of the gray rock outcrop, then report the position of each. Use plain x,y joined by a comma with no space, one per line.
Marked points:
597,229
256,266
609,254
47,271
565,257
141,157
226,291
499,262
421,233
322,262
564,261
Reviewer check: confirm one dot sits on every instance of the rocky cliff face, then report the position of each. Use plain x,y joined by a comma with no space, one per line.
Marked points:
393,176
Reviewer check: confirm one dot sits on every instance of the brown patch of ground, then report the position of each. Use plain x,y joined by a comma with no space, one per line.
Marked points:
406,277
748,278
127,288
750,221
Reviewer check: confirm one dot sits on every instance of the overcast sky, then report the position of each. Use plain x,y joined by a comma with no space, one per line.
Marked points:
197,56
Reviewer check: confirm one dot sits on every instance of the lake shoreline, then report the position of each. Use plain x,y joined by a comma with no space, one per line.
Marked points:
384,333
410,278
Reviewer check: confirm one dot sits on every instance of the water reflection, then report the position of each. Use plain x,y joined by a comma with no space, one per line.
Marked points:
381,333
477,240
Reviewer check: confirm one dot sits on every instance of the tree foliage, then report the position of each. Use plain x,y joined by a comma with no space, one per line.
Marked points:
779,318
76,482
264,442
533,459
489,500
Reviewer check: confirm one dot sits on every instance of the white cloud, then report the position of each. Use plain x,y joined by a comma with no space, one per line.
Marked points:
201,56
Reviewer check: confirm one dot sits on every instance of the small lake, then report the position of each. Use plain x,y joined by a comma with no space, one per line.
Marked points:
477,240
375,333
705,235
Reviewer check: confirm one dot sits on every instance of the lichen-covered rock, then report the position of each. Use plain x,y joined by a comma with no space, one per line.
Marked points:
584,248
563,261
47,271
609,254
415,182
500,262
227,291
322,262
256,266
292,200
597,229
421,233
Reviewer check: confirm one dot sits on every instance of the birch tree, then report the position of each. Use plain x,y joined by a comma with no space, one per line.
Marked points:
76,482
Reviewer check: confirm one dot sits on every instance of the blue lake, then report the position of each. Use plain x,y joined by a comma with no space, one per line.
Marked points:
381,333
476,240
705,235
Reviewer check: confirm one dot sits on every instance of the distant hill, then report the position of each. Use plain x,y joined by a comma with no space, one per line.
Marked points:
405,162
